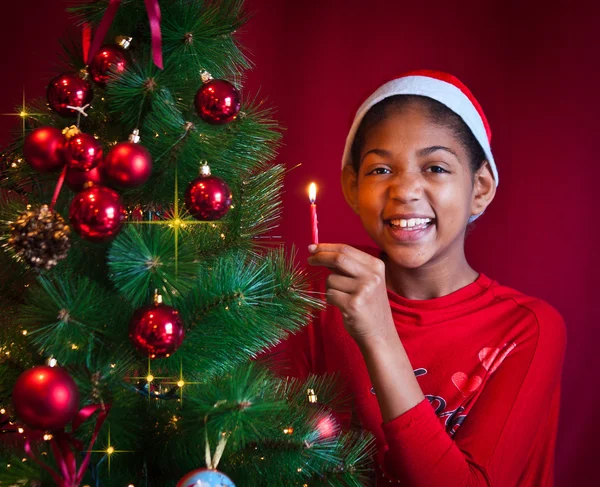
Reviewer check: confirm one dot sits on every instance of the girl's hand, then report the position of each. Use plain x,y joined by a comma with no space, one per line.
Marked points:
357,287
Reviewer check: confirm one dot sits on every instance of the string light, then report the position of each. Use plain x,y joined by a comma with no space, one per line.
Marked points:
47,437
2,411
110,450
176,220
180,383
23,114
149,378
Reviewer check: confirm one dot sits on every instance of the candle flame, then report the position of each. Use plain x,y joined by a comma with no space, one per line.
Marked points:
312,192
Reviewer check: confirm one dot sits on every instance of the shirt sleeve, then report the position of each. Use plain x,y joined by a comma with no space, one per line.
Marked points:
502,430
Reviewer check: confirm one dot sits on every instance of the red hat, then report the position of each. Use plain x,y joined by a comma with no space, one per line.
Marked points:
442,87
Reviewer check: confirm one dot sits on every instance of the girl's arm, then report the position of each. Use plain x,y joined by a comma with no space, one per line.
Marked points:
502,432
511,424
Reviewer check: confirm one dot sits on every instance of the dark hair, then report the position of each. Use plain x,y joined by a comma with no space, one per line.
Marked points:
439,114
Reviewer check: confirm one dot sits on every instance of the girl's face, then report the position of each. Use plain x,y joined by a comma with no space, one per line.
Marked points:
414,190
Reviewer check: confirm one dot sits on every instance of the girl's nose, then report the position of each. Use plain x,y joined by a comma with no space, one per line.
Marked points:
406,187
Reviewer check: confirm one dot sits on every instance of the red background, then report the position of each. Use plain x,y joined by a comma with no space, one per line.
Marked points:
532,65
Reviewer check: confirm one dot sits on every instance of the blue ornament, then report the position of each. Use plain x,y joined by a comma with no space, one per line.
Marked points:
203,477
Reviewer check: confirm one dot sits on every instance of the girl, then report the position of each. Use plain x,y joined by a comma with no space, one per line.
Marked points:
456,375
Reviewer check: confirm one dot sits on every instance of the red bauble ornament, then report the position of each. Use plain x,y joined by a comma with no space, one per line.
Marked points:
82,152
43,148
156,330
68,89
326,425
110,59
127,164
137,214
324,422
217,102
208,197
45,398
97,213
77,180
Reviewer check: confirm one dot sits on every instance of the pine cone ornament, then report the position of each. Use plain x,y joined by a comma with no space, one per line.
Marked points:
40,238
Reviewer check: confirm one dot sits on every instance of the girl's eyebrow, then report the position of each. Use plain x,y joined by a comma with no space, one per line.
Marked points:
379,152
430,150
421,153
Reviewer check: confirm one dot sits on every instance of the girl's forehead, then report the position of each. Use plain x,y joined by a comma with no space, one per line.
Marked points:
409,127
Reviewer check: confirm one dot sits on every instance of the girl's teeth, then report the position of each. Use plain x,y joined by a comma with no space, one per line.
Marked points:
411,223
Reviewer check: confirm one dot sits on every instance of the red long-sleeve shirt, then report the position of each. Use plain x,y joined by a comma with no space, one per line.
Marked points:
488,359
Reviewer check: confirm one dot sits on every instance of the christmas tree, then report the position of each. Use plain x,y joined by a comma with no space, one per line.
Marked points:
137,296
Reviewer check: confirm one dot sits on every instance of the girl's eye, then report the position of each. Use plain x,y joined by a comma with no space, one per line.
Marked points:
437,169
379,170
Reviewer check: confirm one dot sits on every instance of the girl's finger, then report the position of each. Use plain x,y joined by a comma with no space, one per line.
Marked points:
341,263
344,249
342,283
337,298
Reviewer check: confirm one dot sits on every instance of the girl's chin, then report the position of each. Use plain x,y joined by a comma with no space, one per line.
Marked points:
407,258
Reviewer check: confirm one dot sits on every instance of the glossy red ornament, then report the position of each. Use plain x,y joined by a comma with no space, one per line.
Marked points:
97,213
45,398
217,102
77,180
127,165
325,424
208,197
68,89
136,214
323,420
156,330
43,148
82,152
108,61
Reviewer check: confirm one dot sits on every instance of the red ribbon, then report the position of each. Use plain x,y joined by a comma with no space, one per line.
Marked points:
86,39
153,17
64,445
57,188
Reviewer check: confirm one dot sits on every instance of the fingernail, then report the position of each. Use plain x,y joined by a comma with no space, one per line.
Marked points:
312,248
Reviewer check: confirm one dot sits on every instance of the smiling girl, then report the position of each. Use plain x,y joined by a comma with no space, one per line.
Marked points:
456,375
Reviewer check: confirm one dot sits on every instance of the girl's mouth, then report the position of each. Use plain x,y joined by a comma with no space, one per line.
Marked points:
409,230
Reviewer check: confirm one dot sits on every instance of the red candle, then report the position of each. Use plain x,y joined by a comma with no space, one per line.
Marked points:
312,196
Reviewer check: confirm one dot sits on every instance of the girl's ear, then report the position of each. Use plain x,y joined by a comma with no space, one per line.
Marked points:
484,189
350,186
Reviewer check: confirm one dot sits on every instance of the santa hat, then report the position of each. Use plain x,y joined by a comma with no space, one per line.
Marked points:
442,87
